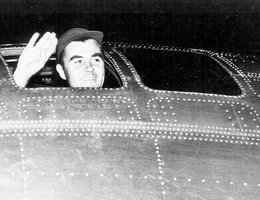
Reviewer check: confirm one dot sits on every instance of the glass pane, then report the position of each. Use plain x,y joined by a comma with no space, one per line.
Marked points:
181,71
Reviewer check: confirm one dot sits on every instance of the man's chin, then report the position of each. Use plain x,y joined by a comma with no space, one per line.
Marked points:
88,83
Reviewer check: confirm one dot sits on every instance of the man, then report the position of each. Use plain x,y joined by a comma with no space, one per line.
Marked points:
79,57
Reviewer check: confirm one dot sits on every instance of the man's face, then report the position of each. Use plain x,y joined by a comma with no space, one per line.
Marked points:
83,64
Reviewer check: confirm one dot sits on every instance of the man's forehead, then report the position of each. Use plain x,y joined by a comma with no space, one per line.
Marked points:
89,45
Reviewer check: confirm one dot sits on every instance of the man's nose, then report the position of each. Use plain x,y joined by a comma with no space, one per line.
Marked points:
88,67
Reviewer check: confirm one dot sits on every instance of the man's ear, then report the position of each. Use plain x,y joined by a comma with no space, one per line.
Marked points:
61,72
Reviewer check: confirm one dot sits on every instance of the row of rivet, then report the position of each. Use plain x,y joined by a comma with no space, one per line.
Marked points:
144,177
22,155
130,66
240,72
150,135
187,179
73,174
247,81
125,127
160,162
119,70
56,125
195,133
3,111
253,76
255,115
239,58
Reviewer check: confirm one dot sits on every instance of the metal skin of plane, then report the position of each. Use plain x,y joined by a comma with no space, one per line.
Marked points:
130,142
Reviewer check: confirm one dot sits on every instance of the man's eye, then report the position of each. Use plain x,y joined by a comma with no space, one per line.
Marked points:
97,59
78,62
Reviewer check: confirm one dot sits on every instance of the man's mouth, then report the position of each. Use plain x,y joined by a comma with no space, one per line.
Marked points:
88,77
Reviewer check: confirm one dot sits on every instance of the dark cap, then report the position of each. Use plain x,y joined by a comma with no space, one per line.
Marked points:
76,34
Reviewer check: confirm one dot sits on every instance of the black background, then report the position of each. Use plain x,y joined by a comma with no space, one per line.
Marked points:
222,25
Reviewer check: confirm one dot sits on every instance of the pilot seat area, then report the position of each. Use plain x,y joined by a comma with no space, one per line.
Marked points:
48,76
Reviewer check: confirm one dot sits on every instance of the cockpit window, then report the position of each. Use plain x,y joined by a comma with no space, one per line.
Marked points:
181,71
48,76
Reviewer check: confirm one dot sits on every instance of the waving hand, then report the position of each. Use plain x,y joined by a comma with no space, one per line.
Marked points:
34,57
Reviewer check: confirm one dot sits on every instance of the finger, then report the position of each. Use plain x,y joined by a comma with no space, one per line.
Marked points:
49,41
33,40
46,53
43,40
42,59
52,47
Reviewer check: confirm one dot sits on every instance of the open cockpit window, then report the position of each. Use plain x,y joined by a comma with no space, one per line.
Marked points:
48,76
181,71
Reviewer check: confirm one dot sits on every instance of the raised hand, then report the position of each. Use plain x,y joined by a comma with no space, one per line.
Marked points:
34,57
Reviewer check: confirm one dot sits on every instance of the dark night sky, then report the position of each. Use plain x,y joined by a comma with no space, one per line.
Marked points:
130,6
223,25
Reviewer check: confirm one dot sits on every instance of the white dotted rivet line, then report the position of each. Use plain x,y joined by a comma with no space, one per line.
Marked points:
132,69
245,184
118,132
23,165
3,111
115,64
246,80
160,163
101,175
10,74
118,127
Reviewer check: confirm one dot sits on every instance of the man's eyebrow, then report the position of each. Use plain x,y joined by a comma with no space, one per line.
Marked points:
94,55
97,54
74,57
